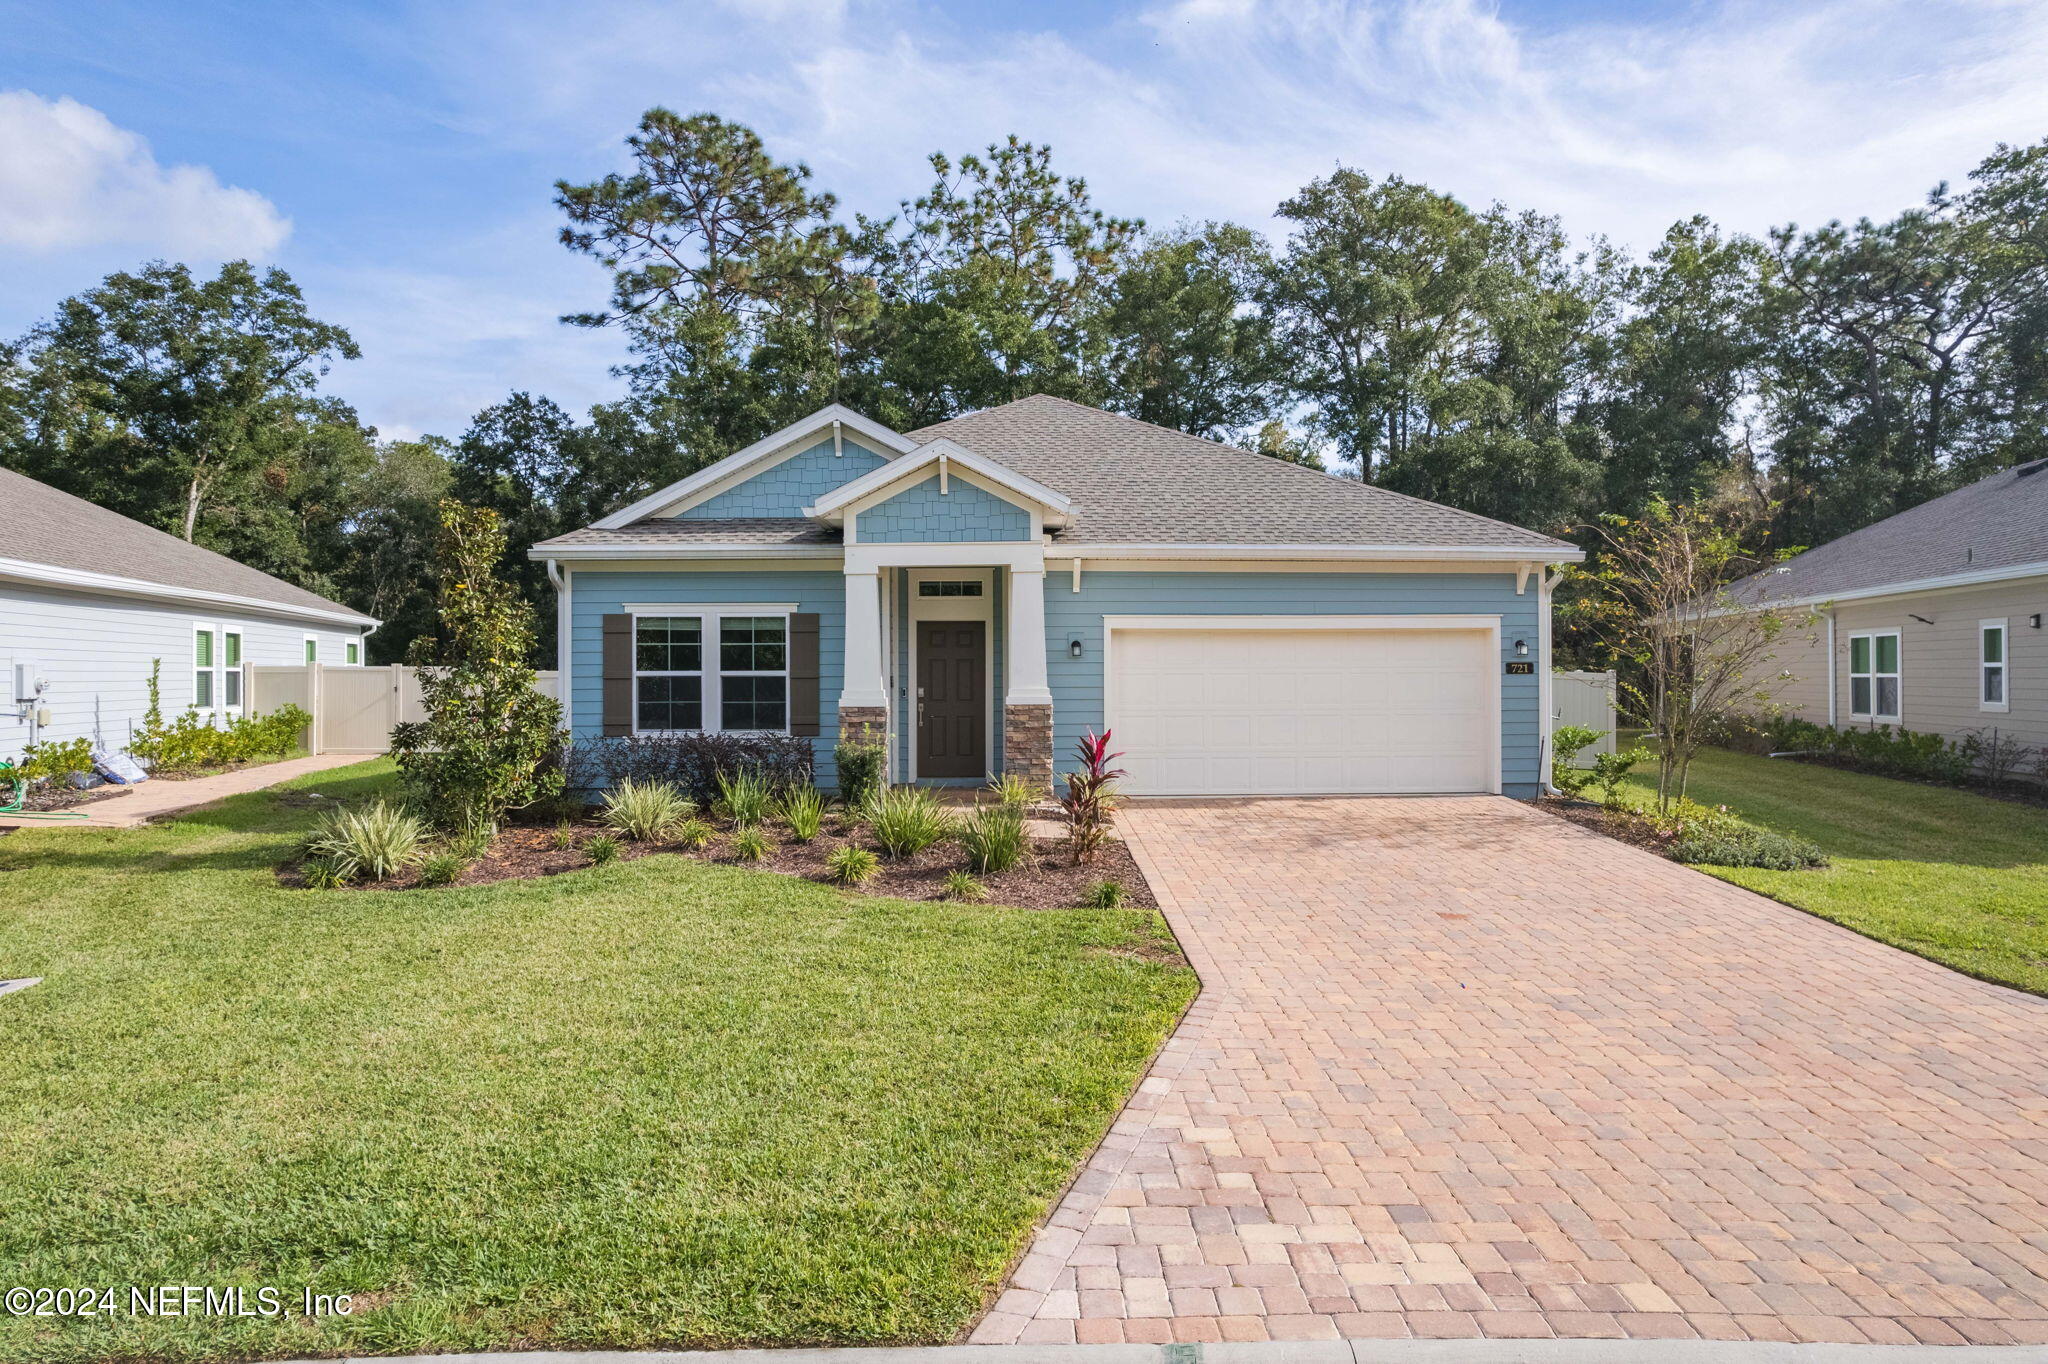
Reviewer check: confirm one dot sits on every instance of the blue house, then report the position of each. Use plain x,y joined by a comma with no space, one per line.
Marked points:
986,590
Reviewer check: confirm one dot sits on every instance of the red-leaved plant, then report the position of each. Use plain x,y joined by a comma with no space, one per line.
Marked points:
1090,801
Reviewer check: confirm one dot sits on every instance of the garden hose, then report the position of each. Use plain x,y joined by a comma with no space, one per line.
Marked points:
12,809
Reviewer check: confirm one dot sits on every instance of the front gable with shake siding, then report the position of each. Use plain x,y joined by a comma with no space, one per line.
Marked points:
983,592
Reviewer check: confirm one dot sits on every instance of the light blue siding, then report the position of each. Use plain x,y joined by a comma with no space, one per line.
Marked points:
596,594
789,487
921,514
1077,683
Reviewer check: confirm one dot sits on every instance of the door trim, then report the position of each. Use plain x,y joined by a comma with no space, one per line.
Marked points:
980,608
1489,626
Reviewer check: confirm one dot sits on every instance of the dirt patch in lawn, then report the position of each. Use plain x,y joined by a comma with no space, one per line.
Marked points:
1046,880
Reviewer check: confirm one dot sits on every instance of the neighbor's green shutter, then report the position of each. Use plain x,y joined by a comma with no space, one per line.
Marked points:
618,675
803,673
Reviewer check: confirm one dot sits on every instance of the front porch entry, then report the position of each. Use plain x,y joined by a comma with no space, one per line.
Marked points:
950,682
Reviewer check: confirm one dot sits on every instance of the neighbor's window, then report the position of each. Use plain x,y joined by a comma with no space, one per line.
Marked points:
231,669
1874,675
949,589
203,669
746,686
355,653
1991,666
312,649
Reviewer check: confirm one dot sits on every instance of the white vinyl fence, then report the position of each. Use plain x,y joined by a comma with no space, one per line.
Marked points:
1579,698
353,709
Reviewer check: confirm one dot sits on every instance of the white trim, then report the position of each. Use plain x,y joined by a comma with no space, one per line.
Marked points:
565,620
210,629
2004,664
710,679
310,638
1834,683
1419,553
1019,555
22,570
1947,582
830,416
1897,675
603,553
833,504
1547,717
921,609
1490,626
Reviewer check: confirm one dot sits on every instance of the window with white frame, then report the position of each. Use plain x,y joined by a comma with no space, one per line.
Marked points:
355,653
312,648
736,680
1874,674
1991,666
205,669
231,669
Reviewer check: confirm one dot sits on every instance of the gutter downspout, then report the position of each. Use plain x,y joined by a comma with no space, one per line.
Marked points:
1544,583
1831,670
559,576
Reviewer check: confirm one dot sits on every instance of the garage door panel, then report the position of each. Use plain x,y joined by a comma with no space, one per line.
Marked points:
1303,712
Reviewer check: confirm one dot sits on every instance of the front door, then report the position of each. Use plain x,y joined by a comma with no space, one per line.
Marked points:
952,696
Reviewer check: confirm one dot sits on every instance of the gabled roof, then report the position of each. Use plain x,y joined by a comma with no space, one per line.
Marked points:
1995,528
1133,483
929,455
52,537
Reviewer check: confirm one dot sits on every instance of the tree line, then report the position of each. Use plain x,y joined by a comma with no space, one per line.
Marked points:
1825,378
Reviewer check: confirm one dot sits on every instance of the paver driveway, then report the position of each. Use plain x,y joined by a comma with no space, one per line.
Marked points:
1461,1068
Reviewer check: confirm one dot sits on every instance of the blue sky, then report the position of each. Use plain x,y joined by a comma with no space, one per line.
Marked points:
397,158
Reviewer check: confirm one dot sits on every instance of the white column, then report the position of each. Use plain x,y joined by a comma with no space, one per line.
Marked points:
863,682
1025,657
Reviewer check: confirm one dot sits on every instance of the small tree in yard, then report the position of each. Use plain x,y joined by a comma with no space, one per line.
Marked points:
484,746
1691,654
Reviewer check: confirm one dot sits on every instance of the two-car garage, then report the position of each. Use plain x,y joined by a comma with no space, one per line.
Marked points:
1305,706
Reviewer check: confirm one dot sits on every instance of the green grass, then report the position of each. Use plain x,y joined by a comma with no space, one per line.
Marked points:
1956,878
656,1103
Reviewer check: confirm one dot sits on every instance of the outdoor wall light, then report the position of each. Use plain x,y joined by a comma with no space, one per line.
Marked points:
1074,648
1521,648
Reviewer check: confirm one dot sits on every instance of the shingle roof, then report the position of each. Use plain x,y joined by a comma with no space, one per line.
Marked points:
1996,522
1136,483
41,525
749,530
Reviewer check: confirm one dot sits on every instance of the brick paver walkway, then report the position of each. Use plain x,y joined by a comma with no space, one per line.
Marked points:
1460,1068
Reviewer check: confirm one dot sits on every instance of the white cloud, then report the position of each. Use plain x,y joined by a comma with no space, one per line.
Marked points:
70,179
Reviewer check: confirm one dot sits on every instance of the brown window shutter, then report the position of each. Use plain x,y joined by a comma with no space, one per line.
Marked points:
618,675
803,673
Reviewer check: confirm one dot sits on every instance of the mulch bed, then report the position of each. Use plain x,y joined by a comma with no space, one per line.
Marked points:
51,796
1047,880
1584,813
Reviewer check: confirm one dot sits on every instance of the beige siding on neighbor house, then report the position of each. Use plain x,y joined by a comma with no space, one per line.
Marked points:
1938,670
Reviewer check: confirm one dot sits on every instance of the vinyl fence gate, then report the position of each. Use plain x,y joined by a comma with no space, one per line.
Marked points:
1581,698
353,709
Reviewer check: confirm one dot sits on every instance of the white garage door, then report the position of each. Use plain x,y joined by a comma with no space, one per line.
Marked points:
1303,712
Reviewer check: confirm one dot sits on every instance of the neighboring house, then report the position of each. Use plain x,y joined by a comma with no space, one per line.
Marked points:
1930,620
90,599
988,589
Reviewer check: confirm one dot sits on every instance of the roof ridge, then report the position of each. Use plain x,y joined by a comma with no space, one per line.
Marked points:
1273,460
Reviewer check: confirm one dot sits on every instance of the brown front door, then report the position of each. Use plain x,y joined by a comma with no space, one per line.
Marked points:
952,693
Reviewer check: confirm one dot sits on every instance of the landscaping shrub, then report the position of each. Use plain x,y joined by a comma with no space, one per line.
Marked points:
750,845
850,866
320,873
994,838
693,833
1742,844
194,741
743,797
1610,768
803,809
859,758
1090,801
647,811
1565,743
908,819
692,763
1013,792
484,747
564,836
1882,750
601,850
375,840
2002,759
54,761
441,868
1106,895
964,888
471,843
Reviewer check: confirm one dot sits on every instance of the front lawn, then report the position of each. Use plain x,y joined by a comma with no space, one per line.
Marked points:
1958,878
658,1103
